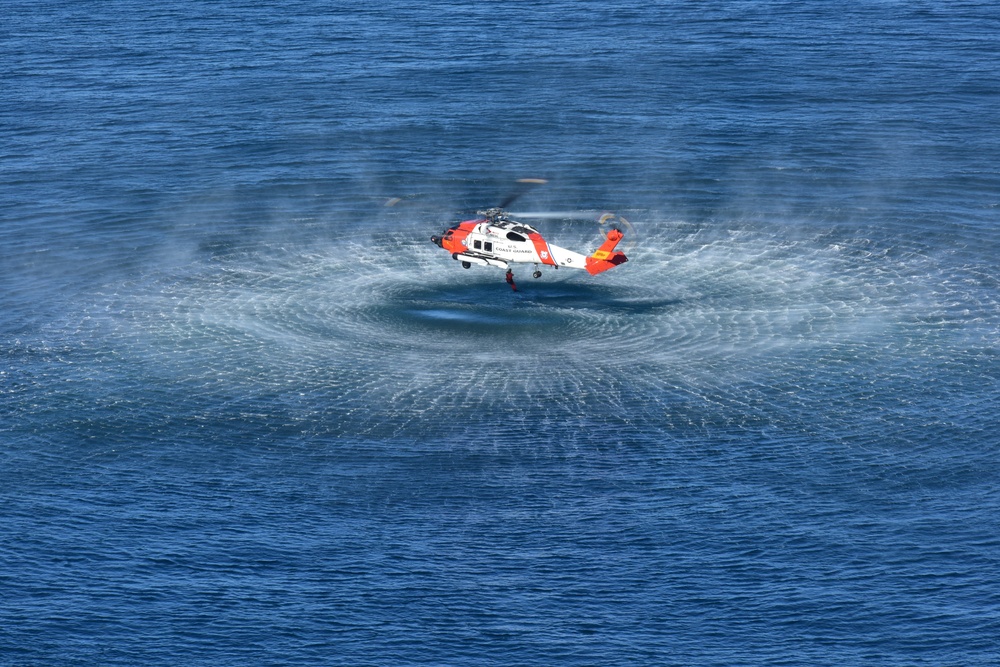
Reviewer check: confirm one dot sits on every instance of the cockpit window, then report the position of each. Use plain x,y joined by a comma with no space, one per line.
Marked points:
514,236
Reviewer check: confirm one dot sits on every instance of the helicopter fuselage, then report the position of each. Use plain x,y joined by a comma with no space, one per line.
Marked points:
495,240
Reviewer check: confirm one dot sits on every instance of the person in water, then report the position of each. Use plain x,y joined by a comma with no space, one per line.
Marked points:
510,280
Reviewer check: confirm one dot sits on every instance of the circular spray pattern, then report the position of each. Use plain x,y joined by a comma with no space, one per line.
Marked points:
387,336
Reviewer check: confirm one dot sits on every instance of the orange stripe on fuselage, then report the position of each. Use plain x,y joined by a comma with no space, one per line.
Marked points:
542,248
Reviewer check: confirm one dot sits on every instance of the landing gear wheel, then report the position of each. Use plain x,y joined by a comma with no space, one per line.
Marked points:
466,265
536,274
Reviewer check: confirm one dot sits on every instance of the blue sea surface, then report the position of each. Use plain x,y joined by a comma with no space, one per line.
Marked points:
251,415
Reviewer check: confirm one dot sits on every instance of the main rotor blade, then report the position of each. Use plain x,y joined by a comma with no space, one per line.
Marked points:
523,185
558,215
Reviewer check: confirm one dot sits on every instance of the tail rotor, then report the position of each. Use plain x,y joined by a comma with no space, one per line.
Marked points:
609,221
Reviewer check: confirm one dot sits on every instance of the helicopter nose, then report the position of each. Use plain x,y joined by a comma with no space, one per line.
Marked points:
436,240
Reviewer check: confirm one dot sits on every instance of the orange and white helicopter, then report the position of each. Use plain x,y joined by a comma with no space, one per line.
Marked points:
495,239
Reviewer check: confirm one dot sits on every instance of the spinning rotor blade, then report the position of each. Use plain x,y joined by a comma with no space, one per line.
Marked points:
558,215
523,185
612,221
605,221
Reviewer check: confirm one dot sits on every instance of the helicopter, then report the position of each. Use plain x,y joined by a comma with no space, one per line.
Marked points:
497,239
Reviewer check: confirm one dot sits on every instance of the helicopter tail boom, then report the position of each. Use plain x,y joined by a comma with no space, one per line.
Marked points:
606,257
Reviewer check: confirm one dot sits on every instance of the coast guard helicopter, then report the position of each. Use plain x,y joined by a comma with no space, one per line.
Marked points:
495,239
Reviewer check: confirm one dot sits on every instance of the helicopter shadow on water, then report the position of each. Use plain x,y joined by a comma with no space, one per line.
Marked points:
489,306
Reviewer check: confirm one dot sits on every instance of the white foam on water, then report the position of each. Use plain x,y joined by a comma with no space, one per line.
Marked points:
396,334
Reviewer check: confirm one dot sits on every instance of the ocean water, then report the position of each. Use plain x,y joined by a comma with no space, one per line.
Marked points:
250,415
